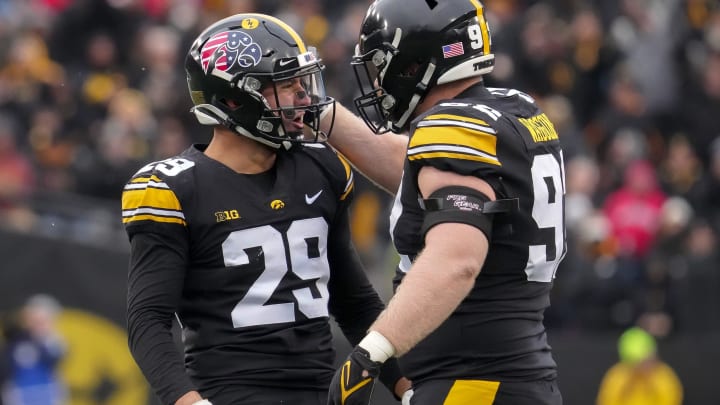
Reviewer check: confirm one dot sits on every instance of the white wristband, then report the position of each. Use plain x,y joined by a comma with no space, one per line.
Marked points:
405,400
203,402
377,345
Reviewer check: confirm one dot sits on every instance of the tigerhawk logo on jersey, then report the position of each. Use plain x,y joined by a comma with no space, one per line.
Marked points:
277,204
540,127
223,216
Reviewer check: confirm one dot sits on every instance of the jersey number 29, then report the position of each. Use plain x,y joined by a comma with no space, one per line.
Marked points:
253,309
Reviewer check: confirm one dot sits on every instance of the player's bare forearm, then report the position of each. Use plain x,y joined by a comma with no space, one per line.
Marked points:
441,277
380,158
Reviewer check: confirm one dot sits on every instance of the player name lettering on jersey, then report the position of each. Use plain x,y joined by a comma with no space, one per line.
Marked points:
540,127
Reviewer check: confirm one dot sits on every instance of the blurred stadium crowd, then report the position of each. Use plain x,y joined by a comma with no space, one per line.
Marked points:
91,90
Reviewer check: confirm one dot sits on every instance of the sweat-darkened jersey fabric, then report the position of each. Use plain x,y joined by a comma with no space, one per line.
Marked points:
250,264
501,136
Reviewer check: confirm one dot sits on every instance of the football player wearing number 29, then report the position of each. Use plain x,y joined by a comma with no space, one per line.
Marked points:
478,211
245,241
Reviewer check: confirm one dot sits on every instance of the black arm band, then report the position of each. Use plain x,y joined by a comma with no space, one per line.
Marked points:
458,204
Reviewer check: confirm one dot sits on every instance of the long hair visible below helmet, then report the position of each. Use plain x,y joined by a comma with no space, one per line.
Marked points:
408,46
233,60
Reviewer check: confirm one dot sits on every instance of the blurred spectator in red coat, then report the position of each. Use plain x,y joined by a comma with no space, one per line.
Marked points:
634,209
634,214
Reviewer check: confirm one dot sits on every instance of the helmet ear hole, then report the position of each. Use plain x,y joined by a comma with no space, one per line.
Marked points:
232,104
411,70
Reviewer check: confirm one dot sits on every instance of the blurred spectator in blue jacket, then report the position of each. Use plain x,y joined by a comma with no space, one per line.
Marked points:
32,352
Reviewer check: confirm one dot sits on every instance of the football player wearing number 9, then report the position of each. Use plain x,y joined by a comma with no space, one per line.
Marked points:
246,240
478,214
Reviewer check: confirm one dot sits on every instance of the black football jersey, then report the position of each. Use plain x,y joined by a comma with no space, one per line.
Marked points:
254,305
501,136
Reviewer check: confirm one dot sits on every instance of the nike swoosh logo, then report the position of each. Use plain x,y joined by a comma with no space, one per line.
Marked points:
285,62
309,200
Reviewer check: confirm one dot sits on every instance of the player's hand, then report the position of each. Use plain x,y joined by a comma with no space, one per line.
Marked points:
353,382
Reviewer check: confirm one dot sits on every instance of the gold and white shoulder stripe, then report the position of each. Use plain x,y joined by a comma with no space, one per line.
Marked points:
150,199
455,137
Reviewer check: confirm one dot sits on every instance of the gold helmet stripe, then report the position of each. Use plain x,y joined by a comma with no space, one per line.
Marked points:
483,26
281,23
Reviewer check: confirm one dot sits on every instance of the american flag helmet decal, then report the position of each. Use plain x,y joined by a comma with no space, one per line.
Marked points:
227,48
455,49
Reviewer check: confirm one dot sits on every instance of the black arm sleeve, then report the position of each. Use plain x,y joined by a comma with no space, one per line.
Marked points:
354,303
155,282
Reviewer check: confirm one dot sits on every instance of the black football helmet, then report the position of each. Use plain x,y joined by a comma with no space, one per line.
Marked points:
408,46
235,59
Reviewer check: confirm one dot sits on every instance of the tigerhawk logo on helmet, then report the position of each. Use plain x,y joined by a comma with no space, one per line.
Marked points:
226,48
234,60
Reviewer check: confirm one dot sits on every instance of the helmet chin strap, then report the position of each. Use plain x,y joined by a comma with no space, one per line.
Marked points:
208,114
282,145
469,68
417,96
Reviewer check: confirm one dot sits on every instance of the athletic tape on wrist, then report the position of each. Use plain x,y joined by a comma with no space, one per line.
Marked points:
405,400
379,348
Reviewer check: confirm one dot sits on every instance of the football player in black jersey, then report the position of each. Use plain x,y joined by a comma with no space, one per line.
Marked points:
246,240
478,216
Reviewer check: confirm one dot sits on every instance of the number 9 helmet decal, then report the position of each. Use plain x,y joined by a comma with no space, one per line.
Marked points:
237,67
408,46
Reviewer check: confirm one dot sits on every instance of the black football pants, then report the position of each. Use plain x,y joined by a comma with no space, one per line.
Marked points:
246,395
482,392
